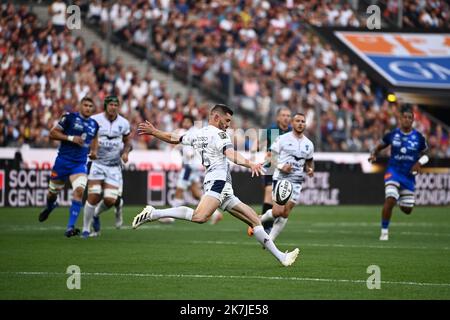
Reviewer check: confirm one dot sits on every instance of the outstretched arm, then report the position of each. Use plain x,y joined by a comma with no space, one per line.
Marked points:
273,160
239,159
149,129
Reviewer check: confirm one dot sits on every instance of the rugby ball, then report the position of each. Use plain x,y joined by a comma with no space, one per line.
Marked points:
282,192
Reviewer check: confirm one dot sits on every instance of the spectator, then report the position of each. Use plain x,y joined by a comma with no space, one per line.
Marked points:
57,11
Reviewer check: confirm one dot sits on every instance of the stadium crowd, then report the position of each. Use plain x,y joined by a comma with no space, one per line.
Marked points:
46,71
420,13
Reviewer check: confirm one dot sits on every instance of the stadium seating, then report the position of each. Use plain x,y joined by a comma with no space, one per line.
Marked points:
277,62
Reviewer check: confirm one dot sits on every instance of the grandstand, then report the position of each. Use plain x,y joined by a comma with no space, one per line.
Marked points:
275,58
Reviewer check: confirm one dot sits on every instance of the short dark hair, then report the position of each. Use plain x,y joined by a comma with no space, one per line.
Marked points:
188,116
222,109
86,98
406,108
298,114
282,109
110,99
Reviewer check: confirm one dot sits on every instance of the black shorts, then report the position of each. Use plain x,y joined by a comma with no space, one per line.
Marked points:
267,180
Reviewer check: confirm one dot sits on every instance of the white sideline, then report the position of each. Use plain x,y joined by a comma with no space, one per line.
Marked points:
214,276
179,228
306,244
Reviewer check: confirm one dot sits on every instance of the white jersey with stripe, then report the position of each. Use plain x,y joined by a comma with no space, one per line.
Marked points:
210,143
289,149
110,139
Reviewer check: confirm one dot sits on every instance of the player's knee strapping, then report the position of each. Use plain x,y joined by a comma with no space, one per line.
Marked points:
391,191
79,182
406,199
55,188
95,189
111,193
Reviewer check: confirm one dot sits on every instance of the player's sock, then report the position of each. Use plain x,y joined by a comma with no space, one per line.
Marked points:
384,224
267,243
184,213
51,203
74,211
278,226
89,211
177,202
267,217
266,206
100,208
118,206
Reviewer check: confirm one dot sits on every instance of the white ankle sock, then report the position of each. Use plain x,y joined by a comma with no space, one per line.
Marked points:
268,216
118,209
87,216
278,226
100,208
184,213
265,240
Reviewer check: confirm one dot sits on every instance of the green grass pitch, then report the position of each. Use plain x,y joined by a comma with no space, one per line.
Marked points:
189,261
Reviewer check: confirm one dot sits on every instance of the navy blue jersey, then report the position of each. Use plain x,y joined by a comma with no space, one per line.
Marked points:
406,149
73,124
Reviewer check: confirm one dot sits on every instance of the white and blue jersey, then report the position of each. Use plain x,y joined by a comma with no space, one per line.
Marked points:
71,157
406,149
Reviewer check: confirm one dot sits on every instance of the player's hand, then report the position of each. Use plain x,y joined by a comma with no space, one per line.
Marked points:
124,157
287,168
372,158
93,155
416,168
146,128
310,172
78,140
257,169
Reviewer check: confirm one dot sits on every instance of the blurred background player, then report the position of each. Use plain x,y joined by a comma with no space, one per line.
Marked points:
76,131
292,154
216,148
118,206
408,148
105,175
280,127
191,172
